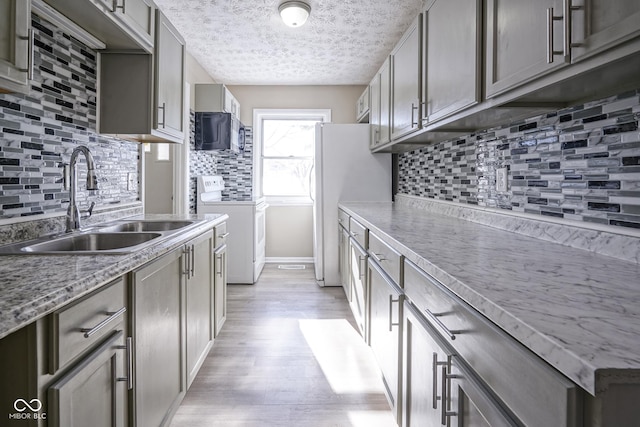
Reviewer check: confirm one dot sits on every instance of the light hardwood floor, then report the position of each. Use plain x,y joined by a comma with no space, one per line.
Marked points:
288,355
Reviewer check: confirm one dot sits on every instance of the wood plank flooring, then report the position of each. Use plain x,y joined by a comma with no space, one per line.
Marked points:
288,355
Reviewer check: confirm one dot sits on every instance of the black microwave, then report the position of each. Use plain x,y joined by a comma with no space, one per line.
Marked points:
218,131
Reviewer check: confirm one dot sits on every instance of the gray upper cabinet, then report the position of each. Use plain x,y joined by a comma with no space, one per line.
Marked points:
362,108
384,127
524,40
406,80
169,71
140,95
15,45
374,110
452,58
120,24
601,24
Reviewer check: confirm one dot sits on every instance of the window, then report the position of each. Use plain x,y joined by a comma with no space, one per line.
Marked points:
286,150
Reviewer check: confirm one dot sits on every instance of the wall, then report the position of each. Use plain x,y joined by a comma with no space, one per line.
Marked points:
39,131
581,163
340,99
286,221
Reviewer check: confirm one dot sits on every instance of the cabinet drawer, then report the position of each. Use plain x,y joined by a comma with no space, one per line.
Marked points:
358,232
221,234
80,325
343,218
386,257
523,381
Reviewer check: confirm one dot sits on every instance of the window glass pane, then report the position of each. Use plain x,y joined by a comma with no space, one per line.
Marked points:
286,177
284,138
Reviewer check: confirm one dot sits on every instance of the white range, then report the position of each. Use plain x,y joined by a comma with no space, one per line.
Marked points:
246,228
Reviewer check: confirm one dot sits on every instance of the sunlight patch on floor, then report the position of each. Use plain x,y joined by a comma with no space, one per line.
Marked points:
346,361
371,418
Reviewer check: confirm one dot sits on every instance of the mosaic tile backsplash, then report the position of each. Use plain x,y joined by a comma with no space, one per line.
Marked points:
39,131
235,168
581,163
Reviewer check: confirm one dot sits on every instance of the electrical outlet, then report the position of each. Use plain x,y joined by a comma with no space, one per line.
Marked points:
132,182
502,180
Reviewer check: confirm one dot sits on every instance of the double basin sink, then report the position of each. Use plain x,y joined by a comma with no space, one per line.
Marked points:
117,237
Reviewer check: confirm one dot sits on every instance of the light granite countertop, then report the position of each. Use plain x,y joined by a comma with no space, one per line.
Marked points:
577,310
31,286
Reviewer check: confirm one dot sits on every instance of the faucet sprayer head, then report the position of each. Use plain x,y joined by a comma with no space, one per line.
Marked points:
92,180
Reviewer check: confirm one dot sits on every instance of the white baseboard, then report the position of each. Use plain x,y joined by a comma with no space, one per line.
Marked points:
289,260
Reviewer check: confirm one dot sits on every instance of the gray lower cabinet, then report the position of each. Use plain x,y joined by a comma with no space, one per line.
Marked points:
15,45
198,271
523,42
220,286
94,391
158,327
220,276
343,261
357,261
385,317
597,25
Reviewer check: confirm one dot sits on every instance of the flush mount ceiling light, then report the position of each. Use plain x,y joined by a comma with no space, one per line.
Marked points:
294,13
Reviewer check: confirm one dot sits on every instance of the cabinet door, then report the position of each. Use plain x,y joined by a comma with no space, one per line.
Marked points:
424,357
362,108
374,109
138,16
601,24
467,403
198,269
405,77
384,331
452,57
343,254
94,392
15,45
518,38
358,280
384,135
158,332
169,88
220,287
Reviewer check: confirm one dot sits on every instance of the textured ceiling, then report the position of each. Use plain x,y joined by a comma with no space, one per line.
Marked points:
244,42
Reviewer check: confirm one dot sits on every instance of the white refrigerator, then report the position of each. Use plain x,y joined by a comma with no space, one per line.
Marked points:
344,171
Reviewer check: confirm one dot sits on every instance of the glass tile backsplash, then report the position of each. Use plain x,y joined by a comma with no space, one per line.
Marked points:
39,131
581,163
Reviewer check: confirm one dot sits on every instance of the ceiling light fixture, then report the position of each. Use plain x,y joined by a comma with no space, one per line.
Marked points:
294,13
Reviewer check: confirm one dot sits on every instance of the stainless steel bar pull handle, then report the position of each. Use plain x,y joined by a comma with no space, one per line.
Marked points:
187,262
413,108
434,371
113,315
129,377
434,318
378,257
391,322
362,262
164,114
192,258
219,269
223,235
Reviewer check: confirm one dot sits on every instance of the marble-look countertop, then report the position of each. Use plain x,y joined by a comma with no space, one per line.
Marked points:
31,286
577,310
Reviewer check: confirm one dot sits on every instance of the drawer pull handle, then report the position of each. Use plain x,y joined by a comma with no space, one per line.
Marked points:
354,234
88,332
391,322
362,262
378,257
434,319
129,377
223,235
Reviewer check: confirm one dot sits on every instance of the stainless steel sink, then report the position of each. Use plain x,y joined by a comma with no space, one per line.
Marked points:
145,226
91,242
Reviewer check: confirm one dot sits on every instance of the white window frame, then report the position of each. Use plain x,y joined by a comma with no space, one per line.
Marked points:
261,114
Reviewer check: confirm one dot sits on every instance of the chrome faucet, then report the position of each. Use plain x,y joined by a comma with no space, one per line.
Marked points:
73,215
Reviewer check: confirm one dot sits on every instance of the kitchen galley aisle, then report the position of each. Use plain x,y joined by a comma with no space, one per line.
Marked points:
289,355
